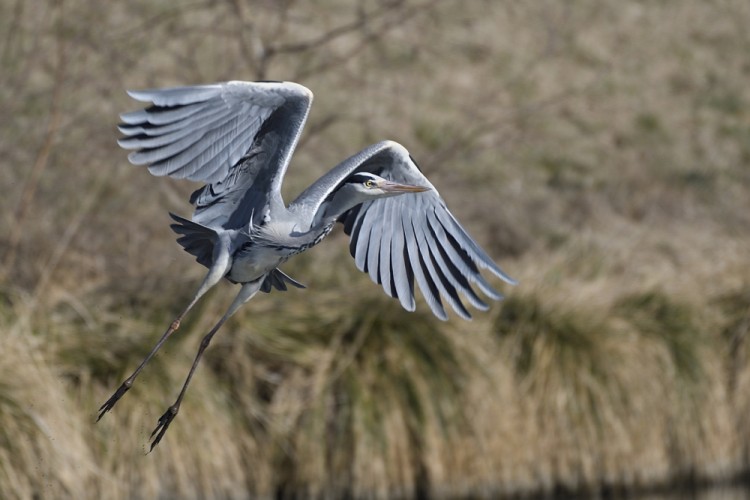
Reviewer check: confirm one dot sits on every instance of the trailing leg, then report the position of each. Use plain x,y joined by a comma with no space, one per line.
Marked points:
247,291
218,270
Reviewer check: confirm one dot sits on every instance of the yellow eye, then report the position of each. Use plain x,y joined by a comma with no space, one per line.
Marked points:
370,184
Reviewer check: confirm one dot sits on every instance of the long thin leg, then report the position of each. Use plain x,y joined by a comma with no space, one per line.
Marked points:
247,291
215,273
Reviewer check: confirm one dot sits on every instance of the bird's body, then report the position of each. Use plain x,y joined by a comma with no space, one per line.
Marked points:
261,250
238,138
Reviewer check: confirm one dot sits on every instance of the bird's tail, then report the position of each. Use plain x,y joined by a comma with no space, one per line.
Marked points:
199,240
196,239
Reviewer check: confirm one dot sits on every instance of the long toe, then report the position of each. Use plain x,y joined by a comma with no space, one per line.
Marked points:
112,401
163,425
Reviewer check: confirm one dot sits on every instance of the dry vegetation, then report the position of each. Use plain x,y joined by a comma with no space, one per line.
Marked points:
598,149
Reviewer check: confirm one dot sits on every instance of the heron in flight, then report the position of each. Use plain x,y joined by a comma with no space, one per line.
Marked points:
238,138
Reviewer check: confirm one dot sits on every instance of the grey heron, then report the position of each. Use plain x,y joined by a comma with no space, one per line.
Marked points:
237,138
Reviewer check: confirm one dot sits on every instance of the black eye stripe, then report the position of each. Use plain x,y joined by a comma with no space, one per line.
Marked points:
360,178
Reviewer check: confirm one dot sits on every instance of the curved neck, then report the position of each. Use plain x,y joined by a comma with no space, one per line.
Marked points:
345,198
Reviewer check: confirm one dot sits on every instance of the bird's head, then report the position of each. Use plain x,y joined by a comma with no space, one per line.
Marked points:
370,186
361,187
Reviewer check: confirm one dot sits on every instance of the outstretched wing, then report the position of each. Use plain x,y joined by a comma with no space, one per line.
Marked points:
410,237
237,137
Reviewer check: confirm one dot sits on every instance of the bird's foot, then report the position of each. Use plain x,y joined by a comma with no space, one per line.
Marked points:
163,424
112,401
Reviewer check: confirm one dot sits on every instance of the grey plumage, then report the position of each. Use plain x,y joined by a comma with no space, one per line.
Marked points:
238,139
213,134
406,235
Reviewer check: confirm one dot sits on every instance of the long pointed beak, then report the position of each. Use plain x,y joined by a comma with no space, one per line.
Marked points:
395,187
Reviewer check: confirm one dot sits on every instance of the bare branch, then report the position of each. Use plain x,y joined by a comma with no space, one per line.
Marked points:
363,18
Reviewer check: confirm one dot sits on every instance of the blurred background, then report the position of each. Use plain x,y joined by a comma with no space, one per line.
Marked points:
597,149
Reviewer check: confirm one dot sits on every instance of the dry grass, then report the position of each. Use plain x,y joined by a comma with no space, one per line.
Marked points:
599,150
